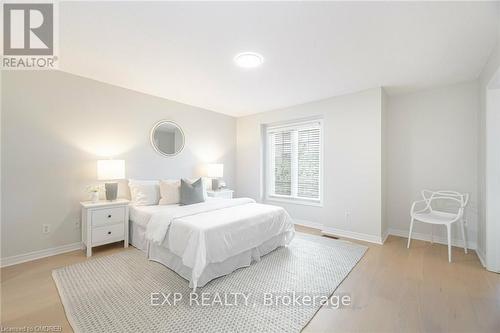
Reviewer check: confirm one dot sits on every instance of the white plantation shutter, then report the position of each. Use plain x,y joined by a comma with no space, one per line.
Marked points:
308,163
283,163
293,164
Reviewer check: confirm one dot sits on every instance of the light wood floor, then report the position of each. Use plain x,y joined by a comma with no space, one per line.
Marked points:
392,289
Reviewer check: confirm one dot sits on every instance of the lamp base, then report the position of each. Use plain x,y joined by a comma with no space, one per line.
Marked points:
215,184
111,191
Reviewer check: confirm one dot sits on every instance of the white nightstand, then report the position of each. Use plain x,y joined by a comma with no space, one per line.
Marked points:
225,194
104,222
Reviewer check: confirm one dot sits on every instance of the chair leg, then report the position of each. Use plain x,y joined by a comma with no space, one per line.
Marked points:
409,235
448,231
464,237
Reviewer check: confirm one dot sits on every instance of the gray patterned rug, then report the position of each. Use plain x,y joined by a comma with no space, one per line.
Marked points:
125,292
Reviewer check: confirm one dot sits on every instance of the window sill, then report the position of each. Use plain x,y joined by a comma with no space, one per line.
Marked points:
295,201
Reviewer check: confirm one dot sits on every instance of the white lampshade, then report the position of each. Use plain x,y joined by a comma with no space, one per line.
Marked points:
110,169
215,170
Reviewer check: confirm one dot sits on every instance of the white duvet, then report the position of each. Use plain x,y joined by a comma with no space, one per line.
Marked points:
217,229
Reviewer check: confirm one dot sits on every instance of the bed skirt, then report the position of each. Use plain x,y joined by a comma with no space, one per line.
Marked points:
137,236
164,256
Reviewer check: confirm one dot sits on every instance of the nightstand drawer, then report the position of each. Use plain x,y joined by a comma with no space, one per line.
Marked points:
108,216
109,233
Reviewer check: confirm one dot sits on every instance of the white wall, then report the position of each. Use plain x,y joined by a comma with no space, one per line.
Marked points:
493,175
385,220
54,128
352,161
488,153
1,161
432,144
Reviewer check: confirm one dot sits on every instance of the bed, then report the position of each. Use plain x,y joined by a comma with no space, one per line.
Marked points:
203,241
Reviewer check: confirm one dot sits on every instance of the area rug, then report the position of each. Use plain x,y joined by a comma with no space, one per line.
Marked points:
125,292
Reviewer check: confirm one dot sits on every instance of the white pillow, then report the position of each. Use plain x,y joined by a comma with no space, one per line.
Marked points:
144,192
170,190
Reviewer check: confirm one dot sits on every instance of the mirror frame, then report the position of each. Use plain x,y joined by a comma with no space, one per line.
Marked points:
151,137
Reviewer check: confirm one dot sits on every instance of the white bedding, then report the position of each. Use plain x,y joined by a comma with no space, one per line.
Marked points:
213,231
160,221
142,214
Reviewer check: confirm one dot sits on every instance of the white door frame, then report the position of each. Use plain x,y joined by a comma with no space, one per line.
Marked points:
492,176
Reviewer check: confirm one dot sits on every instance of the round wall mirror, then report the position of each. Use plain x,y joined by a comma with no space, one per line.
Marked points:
167,138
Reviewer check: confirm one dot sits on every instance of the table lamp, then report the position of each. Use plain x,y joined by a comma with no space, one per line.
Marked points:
111,170
215,171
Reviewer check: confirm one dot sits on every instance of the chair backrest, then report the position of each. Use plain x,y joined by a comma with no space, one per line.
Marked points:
461,199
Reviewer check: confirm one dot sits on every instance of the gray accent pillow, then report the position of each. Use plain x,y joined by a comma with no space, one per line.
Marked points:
191,193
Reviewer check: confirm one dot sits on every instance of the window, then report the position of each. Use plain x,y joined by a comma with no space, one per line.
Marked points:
294,162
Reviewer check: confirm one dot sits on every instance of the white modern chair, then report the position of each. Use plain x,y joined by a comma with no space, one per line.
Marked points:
429,214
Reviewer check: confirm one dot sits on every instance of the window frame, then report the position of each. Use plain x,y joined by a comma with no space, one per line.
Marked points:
268,164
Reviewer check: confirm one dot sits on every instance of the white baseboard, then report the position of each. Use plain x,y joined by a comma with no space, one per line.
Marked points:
20,258
437,239
482,257
329,231
385,235
309,224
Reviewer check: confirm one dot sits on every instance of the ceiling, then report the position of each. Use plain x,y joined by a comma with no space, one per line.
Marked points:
312,50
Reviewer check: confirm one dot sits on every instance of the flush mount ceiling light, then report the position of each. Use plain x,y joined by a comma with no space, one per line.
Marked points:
248,59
